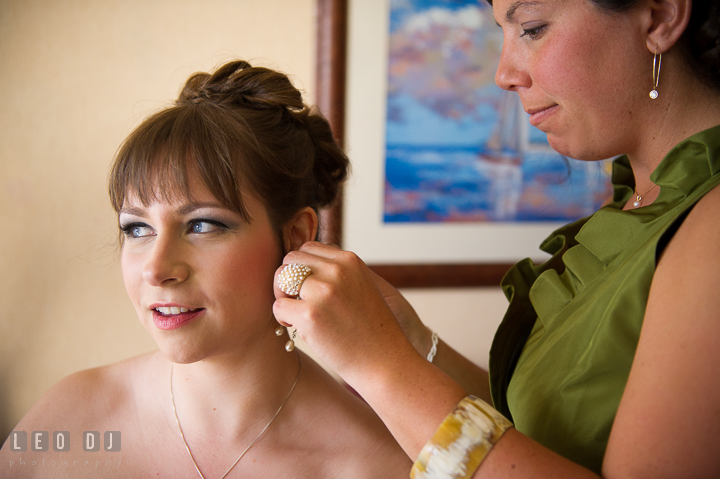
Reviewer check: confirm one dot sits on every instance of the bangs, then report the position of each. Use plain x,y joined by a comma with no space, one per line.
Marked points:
156,159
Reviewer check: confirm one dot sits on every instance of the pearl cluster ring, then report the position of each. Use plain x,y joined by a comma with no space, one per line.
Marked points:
291,278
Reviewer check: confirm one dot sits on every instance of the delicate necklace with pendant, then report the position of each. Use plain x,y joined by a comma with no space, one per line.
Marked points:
172,399
639,198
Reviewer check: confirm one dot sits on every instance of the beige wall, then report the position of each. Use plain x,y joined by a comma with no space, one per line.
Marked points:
75,77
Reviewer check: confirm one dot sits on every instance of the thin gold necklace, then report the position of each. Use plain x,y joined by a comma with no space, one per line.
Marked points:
172,399
639,198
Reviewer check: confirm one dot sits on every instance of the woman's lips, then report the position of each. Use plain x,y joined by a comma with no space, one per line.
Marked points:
174,320
538,115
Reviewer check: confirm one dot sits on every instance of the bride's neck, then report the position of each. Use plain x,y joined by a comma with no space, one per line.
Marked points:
227,394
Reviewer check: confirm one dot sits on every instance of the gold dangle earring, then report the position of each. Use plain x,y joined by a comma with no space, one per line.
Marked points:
656,76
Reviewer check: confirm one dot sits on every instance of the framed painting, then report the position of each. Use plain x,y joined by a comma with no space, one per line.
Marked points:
450,183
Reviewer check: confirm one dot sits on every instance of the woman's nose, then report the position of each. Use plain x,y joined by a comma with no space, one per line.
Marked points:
509,75
165,264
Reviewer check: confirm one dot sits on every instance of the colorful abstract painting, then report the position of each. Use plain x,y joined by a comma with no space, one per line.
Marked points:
459,148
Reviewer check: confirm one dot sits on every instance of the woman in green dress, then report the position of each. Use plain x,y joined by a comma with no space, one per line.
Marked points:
605,363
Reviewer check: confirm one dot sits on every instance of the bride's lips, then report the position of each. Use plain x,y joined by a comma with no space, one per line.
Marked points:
538,115
171,316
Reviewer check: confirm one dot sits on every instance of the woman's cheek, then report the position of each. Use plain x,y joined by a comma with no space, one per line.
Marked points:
132,276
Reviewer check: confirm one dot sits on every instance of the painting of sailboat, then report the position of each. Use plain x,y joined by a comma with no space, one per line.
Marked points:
458,148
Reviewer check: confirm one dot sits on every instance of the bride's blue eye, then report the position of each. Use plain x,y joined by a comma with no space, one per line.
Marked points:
136,230
201,226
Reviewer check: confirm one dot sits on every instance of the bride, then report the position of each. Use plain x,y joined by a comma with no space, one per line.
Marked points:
211,193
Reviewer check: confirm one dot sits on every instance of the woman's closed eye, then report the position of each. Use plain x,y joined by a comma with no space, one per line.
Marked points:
137,230
204,225
533,30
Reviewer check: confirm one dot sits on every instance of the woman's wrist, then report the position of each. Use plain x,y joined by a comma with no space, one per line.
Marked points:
462,441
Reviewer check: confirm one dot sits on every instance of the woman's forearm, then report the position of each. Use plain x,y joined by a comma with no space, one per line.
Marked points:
517,456
413,398
469,375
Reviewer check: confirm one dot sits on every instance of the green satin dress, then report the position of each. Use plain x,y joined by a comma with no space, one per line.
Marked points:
562,355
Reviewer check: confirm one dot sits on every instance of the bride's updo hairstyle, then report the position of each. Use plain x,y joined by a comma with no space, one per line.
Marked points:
240,129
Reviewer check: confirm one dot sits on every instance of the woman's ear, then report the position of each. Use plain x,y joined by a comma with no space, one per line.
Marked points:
669,18
300,229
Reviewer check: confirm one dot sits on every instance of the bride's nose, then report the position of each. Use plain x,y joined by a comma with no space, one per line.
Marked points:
165,264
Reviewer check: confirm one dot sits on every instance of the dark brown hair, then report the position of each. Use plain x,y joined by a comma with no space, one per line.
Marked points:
241,128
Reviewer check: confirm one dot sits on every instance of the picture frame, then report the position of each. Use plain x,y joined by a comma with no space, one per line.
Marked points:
352,76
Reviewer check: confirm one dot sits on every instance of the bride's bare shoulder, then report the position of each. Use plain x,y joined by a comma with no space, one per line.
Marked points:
89,397
87,421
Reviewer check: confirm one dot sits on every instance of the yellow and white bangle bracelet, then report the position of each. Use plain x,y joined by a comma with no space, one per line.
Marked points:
461,442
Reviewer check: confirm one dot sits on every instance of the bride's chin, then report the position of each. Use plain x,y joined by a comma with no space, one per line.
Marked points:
181,354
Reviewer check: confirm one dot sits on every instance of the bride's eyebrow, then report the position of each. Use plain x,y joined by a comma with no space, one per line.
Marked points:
183,210
132,210
190,207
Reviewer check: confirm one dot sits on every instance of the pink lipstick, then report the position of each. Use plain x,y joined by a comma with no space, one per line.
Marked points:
170,316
